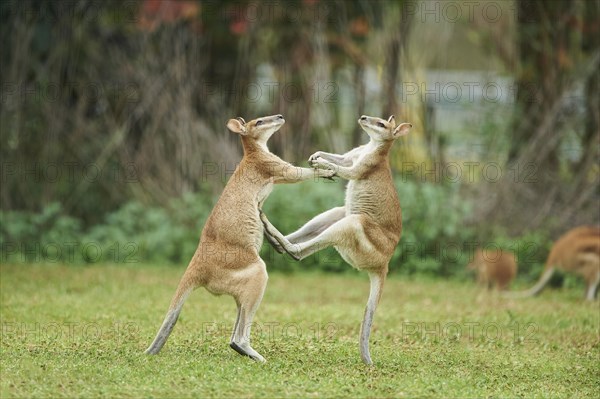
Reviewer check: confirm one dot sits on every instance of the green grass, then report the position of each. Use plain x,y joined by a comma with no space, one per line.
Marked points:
80,331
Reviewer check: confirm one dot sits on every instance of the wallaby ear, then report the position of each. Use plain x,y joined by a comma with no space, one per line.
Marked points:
236,126
392,121
402,129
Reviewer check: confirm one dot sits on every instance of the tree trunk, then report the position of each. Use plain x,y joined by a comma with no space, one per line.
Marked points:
591,46
532,189
359,79
396,48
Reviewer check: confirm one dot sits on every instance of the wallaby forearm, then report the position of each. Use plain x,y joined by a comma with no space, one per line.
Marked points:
349,173
292,174
336,159
345,160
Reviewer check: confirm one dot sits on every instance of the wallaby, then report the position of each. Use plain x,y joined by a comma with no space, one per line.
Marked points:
577,251
227,259
366,230
494,268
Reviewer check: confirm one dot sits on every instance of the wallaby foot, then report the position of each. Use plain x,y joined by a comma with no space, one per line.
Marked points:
276,235
592,288
293,255
274,243
246,350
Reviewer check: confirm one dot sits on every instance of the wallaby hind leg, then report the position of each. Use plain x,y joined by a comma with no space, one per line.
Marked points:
311,229
316,225
589,269
592,287
248,301
377,281
348,229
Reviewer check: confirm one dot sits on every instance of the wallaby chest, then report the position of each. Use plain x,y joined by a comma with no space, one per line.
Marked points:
264,192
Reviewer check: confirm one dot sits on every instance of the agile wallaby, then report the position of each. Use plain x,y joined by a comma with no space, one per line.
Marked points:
227,259
494,268
367,229
577,251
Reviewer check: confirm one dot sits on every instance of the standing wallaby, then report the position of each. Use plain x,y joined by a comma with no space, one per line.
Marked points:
227,259
367,229
494,268
577,251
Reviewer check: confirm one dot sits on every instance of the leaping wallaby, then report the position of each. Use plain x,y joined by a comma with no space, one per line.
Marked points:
577,251
366,230
227,259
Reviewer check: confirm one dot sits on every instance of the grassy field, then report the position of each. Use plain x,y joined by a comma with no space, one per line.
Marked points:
81,331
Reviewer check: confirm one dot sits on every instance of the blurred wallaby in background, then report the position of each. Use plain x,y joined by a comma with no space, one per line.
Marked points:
577,251
495,268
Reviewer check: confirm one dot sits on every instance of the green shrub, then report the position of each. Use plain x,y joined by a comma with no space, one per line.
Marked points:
154,234
134,233
38,237
289,207
434,231
436,239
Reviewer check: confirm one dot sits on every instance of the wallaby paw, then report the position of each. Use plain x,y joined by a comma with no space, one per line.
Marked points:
313,157
329,174
323,164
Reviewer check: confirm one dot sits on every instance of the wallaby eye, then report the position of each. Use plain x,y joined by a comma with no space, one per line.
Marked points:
258,123
380,124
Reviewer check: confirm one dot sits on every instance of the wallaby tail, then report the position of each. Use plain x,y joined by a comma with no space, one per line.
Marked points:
536,289
377,281
181,295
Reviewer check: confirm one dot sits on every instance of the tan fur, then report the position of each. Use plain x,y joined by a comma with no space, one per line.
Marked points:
227,258
577,251
366,230
494,268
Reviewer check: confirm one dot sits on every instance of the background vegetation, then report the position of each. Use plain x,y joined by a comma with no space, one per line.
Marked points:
114,146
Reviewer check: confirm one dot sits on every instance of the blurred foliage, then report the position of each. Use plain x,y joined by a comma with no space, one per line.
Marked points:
112,120
132,234
434,241
105,102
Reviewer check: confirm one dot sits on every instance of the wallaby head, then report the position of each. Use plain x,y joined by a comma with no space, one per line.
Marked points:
477,260
381,130
259,129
